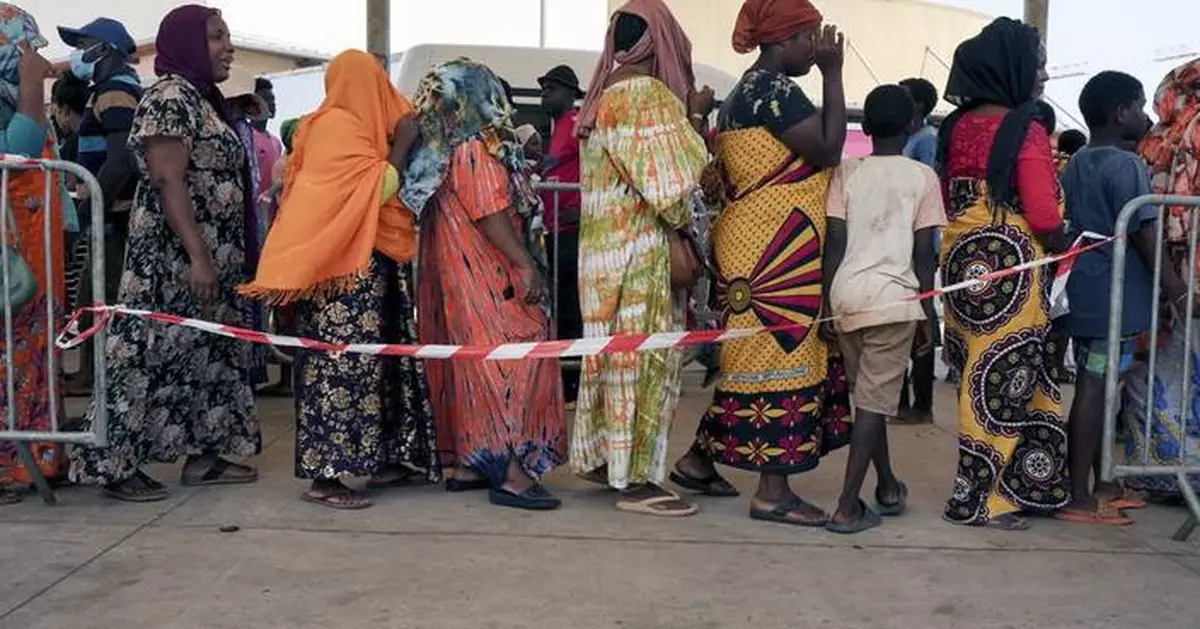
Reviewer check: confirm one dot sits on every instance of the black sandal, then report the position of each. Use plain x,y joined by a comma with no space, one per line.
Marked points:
781,513
535,498
712,485
216,475
866,520
9,497
455,485
137,488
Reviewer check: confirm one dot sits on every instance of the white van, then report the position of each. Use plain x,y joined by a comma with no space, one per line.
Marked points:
298,92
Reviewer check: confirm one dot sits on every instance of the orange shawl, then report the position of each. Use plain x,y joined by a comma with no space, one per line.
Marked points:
330,218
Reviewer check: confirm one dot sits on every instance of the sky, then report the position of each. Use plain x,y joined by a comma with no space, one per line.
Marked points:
1086,36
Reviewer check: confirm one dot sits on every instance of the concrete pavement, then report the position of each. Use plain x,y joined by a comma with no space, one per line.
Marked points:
423,558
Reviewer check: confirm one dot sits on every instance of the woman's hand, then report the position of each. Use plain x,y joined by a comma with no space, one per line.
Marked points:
32,66
203,279
531,283
829,49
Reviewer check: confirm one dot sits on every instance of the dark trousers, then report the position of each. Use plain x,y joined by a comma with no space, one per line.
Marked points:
920,378
564,261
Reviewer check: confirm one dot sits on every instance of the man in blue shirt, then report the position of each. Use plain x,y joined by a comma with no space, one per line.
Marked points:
1097,183
102,56
922,147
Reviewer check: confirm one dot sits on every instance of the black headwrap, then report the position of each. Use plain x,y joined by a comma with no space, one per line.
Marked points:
999,66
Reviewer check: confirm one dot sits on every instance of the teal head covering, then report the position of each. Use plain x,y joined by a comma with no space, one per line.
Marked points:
287,129
17,28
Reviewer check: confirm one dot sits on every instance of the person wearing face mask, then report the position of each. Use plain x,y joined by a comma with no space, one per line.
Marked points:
101,57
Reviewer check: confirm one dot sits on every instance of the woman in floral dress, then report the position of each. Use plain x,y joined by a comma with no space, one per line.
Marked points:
175,391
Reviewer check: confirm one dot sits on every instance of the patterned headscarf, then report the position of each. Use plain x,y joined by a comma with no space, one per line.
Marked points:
1172,148
459,101
16,28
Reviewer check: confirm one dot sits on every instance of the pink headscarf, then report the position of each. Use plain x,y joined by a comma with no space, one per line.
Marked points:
664,42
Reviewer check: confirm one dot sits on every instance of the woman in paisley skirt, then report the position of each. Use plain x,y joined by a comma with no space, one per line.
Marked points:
172,390
500,423
340,249
1003,206
782,403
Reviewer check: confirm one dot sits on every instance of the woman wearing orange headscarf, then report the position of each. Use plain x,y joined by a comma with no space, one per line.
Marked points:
340,248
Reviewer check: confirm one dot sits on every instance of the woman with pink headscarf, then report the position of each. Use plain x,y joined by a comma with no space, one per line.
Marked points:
641,159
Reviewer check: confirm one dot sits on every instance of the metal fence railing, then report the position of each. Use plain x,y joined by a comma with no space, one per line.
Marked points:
15,428
1162,420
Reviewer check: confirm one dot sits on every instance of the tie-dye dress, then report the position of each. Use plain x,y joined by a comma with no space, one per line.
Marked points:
639,168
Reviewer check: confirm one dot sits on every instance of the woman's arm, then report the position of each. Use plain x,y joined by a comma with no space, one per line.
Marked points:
821,139
1037,188
167,161
406,134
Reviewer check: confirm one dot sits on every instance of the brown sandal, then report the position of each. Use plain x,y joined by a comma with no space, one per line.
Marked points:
1104,513
662,503
222,472
343,499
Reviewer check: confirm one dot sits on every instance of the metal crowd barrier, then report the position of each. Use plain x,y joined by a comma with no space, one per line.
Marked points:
1184,463
10,428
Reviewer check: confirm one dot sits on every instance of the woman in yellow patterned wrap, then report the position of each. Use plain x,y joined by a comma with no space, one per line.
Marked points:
783,401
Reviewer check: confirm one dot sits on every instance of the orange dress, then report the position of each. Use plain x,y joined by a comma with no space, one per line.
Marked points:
486,411
26,193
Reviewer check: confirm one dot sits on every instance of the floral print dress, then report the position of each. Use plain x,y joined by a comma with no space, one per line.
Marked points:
172,390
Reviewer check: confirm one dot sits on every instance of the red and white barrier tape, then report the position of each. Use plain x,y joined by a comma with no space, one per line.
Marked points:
616,344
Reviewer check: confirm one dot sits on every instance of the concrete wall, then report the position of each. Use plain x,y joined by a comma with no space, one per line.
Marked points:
886,39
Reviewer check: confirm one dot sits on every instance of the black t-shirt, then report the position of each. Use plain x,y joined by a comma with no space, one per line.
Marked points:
764,99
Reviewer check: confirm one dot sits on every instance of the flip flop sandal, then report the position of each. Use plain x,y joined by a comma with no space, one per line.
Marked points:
150,490
406,477
10,498
657,506
1104,514
712,485
782,512
598,476
535,498
1127,502
342,499
895,509
457,486
216,475
866,521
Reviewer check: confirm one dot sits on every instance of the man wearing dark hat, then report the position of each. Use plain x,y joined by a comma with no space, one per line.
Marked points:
102,56
560,91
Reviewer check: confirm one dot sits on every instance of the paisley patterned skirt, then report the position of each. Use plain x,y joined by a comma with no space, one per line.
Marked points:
358,415
1012,437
